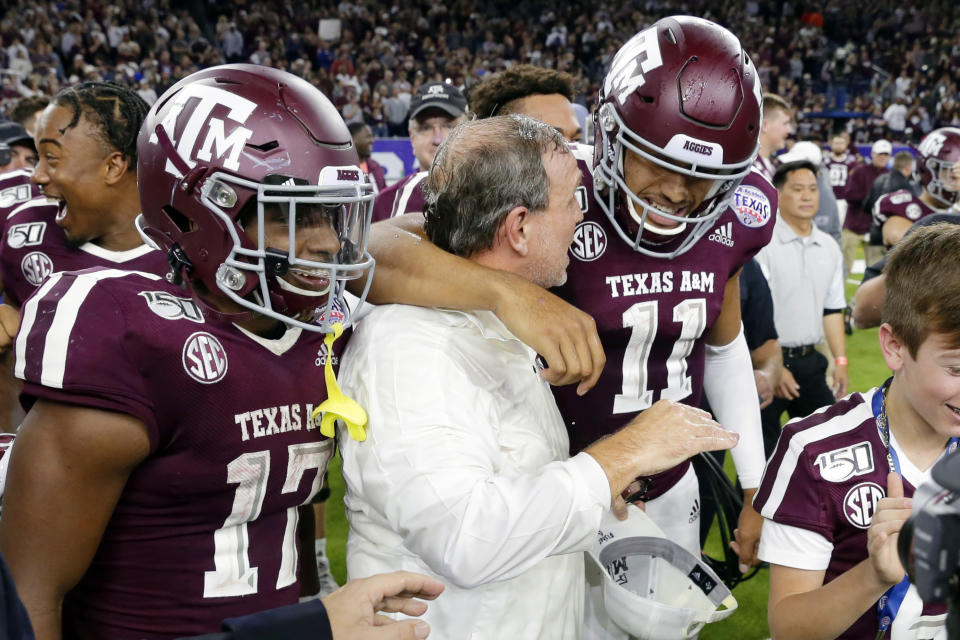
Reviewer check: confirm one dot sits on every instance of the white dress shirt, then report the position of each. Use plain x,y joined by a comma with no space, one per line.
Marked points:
805,274
465,474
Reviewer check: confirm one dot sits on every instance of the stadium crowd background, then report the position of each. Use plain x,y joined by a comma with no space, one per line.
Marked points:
889,66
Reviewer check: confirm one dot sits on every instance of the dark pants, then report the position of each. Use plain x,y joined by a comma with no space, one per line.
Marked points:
809,370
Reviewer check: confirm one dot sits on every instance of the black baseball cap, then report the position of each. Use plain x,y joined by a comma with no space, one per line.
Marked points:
12,134
438,95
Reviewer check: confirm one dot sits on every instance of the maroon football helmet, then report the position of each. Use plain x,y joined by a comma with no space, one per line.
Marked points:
242,138
938,152
682,94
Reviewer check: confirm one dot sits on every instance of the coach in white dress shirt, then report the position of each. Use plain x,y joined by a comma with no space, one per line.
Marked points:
465,474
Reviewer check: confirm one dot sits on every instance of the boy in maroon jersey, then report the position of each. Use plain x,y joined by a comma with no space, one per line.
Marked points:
170,438
837,489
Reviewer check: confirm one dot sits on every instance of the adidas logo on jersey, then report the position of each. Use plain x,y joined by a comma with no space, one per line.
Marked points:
723,234
694,512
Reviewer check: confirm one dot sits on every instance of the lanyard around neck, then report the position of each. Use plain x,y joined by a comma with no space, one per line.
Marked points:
889,603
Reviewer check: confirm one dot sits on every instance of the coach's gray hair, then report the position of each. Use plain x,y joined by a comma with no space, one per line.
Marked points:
481,172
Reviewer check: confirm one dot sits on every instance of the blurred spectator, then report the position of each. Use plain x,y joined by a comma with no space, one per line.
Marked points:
900,177
435,110
850,55
26,111
17,150
856,225
896,118
395,108
777,126
827,219
363,141
840,163
232,44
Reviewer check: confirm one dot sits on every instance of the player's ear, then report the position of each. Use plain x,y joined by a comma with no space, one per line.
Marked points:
115,166
892,347
514,230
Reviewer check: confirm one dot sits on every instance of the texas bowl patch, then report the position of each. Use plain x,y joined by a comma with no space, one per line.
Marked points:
751,206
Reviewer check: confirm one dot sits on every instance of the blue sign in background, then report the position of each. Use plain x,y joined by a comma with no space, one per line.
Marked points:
396,156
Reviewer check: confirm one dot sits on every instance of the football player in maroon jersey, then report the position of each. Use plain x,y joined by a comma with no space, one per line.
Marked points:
671,213
837,489
170,439
76,208
938,171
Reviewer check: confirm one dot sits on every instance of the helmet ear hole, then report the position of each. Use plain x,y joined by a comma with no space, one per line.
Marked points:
177,218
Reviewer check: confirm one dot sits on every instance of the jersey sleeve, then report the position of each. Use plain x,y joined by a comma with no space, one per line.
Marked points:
75,346
755,207
794,547
383,204
789,492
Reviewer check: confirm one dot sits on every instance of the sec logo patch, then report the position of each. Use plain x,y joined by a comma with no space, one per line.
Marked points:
860,503
204,358
589,242
36,266
751,206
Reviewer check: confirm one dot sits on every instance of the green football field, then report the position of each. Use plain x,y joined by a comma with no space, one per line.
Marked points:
867,369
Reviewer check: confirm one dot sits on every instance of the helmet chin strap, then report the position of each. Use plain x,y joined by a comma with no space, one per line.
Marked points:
214,312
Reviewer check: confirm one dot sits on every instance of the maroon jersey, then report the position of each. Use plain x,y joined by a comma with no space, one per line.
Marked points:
902,204
858,187
378,175
15,189
766,166
403,197
839,172
653,314
33,246
206,526
827,475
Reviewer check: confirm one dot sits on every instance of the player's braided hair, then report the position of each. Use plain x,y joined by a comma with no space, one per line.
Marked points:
489,98
115,111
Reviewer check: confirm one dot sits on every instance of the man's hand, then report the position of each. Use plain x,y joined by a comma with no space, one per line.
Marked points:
764,389
788,389
661,437
841,380
565,336
354,609
747,534
884,530
9,325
